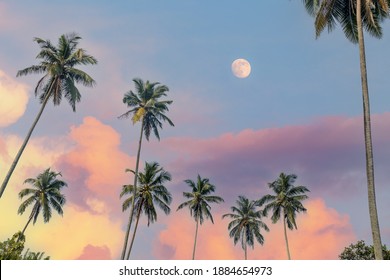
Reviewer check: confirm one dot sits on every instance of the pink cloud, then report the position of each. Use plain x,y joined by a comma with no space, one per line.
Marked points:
95,166
327,155
322,234
91,252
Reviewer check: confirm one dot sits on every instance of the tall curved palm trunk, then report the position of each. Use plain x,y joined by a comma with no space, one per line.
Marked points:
368,140
24,144
353,15
134,195
58,63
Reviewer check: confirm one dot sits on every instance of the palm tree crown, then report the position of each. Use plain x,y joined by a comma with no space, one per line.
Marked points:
285,202
198,203
246,223
44,195
147,106
287,198
150,192
199,199
328,12
58,64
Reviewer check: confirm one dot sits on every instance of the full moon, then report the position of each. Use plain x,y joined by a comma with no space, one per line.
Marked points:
241,68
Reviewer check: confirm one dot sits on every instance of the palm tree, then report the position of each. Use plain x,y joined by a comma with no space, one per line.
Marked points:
60,75
150,110
44,196
286,202
353,15
246,223
151,192
198,202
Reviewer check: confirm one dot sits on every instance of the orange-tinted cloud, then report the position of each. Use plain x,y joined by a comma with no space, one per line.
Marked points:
322,234
67,237
92,222
17,97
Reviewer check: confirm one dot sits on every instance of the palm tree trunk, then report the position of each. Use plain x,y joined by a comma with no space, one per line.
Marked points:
368,140
25,227
135,229
28,222
19,154
134,193
196,236
285,236
245,247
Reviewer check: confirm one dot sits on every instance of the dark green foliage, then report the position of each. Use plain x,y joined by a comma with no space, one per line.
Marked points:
12,249
199,199
361,251
246,223
285,200
328,13
151,191
58,64
44,196
147,106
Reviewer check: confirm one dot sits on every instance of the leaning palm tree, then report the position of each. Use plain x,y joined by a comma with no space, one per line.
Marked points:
285,202
151,192
146,107
44,196
198,202
246,223
60,75
353,15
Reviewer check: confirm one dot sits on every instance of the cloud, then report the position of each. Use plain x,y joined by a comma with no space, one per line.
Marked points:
91,252
322,234
324,154
327,155
71,236
16,98
177,240
95,166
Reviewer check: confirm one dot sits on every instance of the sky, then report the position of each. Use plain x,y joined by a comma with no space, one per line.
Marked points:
299,112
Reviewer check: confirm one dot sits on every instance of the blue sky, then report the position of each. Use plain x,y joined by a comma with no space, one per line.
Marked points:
296,81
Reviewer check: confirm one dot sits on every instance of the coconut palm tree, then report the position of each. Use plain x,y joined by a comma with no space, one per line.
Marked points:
60,75
198,202
147,108
151,192
44,196
353,15
246,223
285,202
